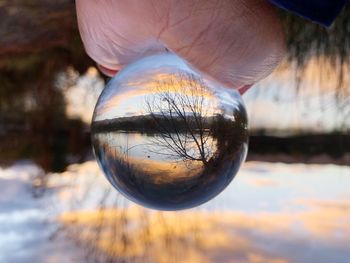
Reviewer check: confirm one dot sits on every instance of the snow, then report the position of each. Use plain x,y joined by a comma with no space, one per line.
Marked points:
25,224
313,200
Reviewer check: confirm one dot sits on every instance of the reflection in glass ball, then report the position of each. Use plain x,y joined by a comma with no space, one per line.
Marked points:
167,137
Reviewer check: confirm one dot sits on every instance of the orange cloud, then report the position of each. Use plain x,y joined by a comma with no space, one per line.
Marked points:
159,83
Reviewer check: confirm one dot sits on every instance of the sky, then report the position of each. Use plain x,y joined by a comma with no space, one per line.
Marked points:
272,104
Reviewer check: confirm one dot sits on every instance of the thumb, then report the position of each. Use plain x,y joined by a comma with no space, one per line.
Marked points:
236,42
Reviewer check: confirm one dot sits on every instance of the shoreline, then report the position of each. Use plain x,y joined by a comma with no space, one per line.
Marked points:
302,159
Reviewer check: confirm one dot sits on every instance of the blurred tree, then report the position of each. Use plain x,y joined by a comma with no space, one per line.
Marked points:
306,40
40,38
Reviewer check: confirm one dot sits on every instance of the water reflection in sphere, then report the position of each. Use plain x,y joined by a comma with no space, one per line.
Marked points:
166,137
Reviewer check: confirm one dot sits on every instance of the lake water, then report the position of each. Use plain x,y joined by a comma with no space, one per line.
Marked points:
170,170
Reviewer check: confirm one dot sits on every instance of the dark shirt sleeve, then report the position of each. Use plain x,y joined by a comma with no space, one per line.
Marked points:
321,11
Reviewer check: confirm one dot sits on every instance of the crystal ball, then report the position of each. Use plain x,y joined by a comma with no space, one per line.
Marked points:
166,136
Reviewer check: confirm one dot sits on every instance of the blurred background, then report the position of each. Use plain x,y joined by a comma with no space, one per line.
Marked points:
289,203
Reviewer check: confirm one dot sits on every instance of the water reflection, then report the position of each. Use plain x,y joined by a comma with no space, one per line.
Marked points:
175,145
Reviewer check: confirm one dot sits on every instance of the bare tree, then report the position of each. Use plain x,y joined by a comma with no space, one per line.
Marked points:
180,109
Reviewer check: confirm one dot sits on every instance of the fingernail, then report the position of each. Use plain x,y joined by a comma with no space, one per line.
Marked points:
243,89
106,71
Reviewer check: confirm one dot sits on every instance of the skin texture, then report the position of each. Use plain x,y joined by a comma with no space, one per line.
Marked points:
235,42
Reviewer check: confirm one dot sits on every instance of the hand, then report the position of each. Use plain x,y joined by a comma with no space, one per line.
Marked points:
236,42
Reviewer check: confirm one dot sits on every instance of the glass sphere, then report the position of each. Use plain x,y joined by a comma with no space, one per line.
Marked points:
167,137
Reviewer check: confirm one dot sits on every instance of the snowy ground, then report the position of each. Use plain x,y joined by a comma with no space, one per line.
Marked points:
291,208
26,224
